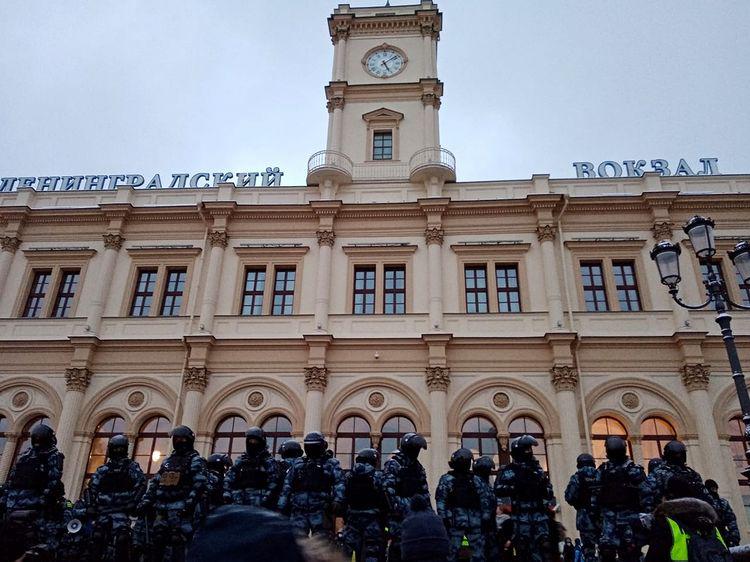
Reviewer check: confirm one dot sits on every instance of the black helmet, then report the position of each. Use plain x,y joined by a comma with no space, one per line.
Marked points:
219,462
290,450
675,453
585,459
411,444
315,444
461,460
367,456
117,448
42,437
712,486
183,439
653,464
616,448
522,448
255,441
483,467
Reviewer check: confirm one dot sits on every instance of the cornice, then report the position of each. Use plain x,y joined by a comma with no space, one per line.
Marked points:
635,244
389,250
270,251
47,254
161,251
491,249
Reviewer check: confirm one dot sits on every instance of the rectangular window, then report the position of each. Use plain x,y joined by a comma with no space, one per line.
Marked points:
252,296
508,292
173,291
394,289
626,286
382,146
37,294
364,290
66,292
713,267
594,293
283,291
144,292
475,277
744,290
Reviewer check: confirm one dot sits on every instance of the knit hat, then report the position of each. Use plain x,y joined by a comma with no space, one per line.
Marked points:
423,535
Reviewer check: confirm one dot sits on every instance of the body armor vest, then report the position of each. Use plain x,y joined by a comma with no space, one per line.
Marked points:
464,494
30,473
311,476
617,491
587,484
409,480
251,474
361,493
530,485
115,480
175,472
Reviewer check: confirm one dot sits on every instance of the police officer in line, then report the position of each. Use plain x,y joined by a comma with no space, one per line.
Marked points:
33,496
579,494
483,468
727,523
290,453
364,510
254,477
174,497
616,497
313,489
217,465
466,505
526,488
112,496
405,478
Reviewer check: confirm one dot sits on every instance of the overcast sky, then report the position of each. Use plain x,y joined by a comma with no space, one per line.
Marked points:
144,86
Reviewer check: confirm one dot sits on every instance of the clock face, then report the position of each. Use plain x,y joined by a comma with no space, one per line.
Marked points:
384,63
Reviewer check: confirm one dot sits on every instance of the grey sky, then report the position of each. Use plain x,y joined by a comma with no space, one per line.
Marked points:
105,86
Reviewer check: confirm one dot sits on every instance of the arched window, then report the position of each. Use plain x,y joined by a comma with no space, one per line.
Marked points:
529,426
152,445
655,433
739,445
3,434
393,430
229,438
24,440
480,435
278,429
603,428
352,435
98,452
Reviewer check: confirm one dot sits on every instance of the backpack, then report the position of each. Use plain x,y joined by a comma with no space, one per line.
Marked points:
707,549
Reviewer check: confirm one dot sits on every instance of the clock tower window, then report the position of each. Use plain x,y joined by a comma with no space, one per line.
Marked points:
382,145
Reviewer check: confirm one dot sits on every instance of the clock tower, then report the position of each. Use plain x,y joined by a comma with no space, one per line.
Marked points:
383,100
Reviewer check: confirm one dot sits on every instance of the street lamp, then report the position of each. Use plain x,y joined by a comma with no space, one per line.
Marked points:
667,258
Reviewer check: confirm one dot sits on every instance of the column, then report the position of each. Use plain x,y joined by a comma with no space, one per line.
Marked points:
77,380
434,237
546,234
218,240
112,245
11,439
438,379
341,54
337,104
195,380
9,245
326,239
316,380
431,102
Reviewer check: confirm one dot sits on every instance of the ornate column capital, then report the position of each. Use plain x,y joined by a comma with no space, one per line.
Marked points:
341,31
662,230
113,241
316,378
431,98
326,237
336,102
10,244
428,28
218,238
77,378
696,377
434,235
546,232
564,377
437,378
196,378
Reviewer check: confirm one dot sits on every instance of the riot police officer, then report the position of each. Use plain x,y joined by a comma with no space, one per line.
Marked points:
34,493
727,524
405,478
465,504
254,477
217,465
616,497
526,488
579,494
289,451
112,496
365,507
483,467
175,495
313,489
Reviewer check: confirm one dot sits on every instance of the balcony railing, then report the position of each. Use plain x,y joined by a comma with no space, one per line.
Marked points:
433,161
329,164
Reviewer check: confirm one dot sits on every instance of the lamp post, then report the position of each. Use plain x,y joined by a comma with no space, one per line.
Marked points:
700,230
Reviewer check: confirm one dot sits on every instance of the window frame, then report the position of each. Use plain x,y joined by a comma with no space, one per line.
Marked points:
660,440
137,294
540,436
276,438
381,121
508,290
233,435
284,293
729,272
601,437
392,435
739,462
384,134
24,436
107,435
254,294
626,262
154,436
351,436
173,294
59,295
590,265
479,436
394,291
380,257
365,269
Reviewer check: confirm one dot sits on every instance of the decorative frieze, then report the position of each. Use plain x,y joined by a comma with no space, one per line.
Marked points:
696,377
10,244
326,237
662,230
113,241
218,238
545,232
564,377
316,378
434,235
77,378
196,378
437,378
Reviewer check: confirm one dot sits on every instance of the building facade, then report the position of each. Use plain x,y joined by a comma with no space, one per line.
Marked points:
382,297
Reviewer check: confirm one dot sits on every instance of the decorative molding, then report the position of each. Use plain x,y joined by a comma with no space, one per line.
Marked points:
255,399
326,237
437,378
662,230
376,400
113,241
432,99
564,377
196,378
630,401
545,232
218,238
336,102
501,401
77,378
696,377
136,399
340,31
316,378
434,235
10,243
20,400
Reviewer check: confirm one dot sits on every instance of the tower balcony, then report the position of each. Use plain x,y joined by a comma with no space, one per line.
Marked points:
329,165
432,162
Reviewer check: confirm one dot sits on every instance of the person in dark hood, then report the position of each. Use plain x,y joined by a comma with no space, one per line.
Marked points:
217,465
483,468
253,479
579,494
422,533
727,519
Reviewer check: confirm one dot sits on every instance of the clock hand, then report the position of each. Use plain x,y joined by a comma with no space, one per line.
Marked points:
385,64
393,57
